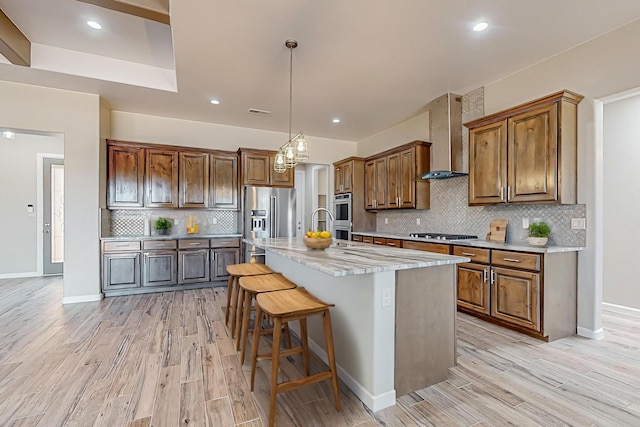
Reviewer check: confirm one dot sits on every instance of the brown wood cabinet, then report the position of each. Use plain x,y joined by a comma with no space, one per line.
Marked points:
161,179
194,180
526,154
125,176
343,176
515,297
224,182
426,246
257,169
473,287
349,177
392,178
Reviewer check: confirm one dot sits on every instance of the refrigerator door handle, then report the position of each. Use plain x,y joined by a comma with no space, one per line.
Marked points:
274,219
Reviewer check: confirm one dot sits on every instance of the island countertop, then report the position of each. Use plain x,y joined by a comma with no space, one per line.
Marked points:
346,258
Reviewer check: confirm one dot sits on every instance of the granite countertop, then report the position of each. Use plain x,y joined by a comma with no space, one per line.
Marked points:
172,237
346,258
479,243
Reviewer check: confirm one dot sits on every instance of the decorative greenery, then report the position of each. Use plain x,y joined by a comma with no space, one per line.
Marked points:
539,229
163,224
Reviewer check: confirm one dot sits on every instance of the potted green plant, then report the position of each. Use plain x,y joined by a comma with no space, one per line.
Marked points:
539,233
162,225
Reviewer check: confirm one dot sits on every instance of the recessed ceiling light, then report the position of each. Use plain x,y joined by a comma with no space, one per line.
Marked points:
336,120
94,25
8,134
215,102
480,26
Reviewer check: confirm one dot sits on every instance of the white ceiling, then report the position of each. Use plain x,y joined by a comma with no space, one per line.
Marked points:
373,64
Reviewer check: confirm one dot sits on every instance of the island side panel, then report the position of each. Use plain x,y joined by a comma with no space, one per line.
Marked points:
425,327
363,330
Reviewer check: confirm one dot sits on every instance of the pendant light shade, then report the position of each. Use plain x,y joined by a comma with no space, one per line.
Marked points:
301,147
279,162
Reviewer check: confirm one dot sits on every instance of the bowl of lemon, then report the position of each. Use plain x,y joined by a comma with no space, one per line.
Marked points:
317,239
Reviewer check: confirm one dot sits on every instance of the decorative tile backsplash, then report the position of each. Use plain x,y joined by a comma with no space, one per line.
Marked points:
131,222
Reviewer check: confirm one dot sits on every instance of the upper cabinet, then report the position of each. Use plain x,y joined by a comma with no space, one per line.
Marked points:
125,176
343,176
393,178
526,154
194,180
257,169
161,179
159,176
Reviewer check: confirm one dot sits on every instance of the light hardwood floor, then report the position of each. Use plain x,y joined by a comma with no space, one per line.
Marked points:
166,360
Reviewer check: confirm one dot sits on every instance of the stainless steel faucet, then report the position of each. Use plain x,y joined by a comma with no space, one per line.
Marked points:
316,212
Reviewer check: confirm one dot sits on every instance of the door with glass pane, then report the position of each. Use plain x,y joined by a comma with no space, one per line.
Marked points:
53,215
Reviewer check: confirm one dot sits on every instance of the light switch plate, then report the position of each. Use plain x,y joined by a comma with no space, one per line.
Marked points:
214,220
418,221
525,222
386,220
578,223
386,297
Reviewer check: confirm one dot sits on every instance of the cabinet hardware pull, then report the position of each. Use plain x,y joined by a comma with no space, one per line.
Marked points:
511,259
502,193
508,192
468,254
122,245
493,277
195,243
485,275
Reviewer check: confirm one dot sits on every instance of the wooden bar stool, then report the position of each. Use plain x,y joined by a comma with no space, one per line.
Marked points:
250,286
235,272
288,306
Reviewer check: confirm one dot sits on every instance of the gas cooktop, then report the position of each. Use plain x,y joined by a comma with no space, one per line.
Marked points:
443,236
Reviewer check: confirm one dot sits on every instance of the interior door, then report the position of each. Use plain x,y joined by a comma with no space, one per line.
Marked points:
53,215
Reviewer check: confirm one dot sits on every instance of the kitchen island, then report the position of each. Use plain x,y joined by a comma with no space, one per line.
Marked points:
394,315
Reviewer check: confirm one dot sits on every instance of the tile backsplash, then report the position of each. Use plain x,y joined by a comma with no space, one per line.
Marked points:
450,213
131,222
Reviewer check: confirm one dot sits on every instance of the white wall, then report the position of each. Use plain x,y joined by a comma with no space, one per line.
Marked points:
414,129
18,173
163,130
601,67
621,202
76,115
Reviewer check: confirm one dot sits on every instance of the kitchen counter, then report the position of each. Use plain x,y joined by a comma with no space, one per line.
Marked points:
393,317
171,237
346,258
478,243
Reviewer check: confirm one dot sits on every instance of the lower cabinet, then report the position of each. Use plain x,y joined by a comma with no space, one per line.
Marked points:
193,266
515,297
160,268
220,259
473,287
120,270
439,248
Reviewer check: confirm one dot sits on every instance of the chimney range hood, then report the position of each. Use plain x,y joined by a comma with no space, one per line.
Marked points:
445,123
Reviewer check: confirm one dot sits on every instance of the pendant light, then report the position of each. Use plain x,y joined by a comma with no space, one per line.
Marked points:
295,149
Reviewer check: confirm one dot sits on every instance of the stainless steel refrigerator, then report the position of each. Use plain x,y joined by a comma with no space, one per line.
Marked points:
268,212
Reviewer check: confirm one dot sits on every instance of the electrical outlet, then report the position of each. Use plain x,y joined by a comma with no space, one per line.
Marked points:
214,220
525,222
386,297
418,221
176,222
578,223
386,220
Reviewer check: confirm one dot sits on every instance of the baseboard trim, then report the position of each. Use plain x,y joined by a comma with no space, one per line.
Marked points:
629,311
20,275
374,403
598,334
82,298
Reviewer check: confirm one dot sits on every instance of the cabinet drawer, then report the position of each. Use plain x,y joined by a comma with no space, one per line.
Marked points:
379,241
159,244
438,248
233,242
356,238
121,246
193,243
516,259
367,239
395,243
476,254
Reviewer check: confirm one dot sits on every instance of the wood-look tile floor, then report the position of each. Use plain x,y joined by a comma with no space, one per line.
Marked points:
166,360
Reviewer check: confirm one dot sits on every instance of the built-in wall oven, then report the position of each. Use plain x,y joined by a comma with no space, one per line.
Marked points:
342,211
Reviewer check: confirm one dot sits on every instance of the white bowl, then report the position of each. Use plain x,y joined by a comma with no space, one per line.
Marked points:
538,241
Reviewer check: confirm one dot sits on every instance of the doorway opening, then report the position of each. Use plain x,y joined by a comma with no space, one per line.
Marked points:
53,215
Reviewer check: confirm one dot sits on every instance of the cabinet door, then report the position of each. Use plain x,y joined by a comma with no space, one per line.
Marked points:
193,266
194,180
255,169
222,258
407,179
120,271
370,184
533,156
224,182
125,177
488,164
473,287
160,268
515,297
380,197
393,181
338,179
161,179
284,179
347,177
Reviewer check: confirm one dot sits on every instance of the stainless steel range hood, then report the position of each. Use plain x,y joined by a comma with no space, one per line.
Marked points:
445,124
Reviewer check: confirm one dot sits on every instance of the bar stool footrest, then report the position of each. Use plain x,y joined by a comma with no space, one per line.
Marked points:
292,385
